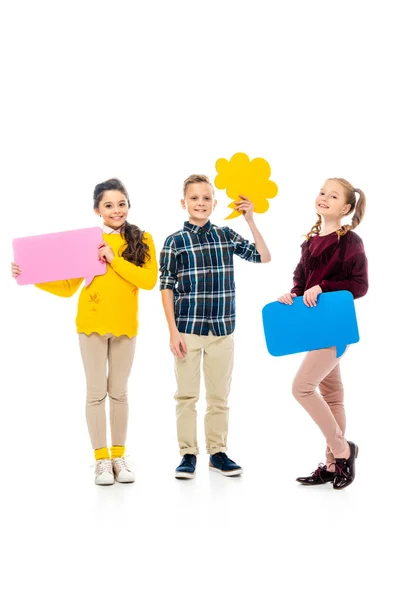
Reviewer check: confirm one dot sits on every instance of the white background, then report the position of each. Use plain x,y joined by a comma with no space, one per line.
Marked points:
150,93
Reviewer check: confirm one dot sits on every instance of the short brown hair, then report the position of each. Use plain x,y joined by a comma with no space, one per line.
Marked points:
196,179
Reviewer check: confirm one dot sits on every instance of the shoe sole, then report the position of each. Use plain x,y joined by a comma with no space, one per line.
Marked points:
227,473
124,480
184,475
108,483
314,484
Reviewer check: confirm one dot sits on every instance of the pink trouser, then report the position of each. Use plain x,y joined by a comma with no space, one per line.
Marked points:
320,368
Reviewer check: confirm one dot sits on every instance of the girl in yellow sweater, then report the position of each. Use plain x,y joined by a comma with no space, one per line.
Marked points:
107,324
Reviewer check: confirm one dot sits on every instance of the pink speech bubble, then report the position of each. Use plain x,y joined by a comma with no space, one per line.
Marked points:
57,256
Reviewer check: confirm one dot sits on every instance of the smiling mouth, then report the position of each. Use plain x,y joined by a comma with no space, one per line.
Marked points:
323,205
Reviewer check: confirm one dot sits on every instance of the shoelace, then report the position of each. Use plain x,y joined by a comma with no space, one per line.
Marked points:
122,463
103,466
188,462
222,456
341,472
317,473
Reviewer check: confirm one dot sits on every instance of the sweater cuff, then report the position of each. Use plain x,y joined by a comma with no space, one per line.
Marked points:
324,285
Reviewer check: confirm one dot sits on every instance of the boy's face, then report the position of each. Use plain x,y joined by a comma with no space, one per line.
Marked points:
199,202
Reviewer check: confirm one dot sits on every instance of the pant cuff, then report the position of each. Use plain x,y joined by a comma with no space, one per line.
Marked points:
189,450
216,449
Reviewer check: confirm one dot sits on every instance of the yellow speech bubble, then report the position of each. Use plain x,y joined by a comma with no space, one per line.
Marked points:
247,178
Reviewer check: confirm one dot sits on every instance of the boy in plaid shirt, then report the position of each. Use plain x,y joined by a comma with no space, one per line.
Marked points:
198,295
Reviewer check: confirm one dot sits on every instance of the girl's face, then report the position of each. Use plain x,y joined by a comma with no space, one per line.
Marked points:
199,202
113,208
331,200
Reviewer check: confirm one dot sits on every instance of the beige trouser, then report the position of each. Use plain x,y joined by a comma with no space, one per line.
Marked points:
217,352
96,350
320,368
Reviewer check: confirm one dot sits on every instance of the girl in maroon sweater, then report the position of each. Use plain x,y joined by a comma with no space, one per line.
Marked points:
332,259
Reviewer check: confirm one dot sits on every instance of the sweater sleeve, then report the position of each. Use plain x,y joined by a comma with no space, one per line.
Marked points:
298,281
299,278
143,277
65,288
356,280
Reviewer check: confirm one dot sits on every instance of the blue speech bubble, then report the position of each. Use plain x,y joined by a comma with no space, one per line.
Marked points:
296,328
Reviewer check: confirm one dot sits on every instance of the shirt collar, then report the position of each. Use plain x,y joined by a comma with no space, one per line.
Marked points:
196,229
107,229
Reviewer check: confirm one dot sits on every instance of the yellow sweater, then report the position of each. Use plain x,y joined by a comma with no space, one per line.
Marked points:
110,302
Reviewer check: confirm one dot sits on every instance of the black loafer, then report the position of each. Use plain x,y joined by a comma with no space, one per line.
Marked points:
345,470
318,477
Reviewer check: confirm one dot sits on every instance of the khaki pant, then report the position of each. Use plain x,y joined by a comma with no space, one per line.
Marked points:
217,353
96,351
320,368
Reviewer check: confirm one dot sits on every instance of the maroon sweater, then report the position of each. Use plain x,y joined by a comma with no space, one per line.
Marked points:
333,264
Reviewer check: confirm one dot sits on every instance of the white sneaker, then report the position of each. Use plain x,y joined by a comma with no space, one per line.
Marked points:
123,470
104,474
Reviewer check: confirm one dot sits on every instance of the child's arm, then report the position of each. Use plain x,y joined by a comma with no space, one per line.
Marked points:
298,286
168,278
65,288
176,343
299,280
143,277
357,280
247,207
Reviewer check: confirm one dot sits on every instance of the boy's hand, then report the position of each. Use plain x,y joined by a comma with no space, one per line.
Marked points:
287,298
310,296
247,208
177,345
106,253
15,270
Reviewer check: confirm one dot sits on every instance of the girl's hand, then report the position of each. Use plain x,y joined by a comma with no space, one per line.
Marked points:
247,207
310,296
177,345
15,270
287,298
105,253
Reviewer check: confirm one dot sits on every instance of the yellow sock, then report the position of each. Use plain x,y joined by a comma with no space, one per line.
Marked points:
117,451
101,453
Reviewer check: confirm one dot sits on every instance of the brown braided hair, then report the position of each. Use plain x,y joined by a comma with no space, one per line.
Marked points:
358,206
136,252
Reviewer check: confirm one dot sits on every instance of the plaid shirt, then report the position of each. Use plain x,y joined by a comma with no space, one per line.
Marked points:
197,264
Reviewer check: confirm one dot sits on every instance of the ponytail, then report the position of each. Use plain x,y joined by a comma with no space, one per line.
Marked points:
315,230
136,252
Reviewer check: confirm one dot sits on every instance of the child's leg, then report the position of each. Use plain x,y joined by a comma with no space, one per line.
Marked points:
94,350
218,365
120,358
187,372
331,389
315,367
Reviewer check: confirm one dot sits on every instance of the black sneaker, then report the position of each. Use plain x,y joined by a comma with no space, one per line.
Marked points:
223,464
345,469
187,467
318,477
